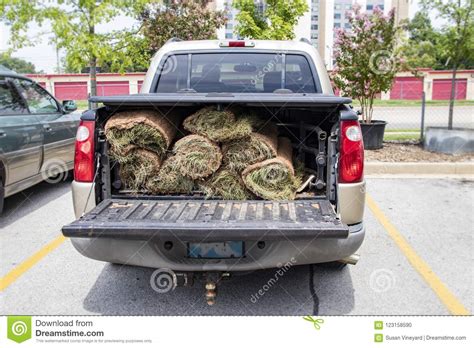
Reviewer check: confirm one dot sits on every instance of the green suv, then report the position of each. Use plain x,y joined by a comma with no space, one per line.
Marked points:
37,134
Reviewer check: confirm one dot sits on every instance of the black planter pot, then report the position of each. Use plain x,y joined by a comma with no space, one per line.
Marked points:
372,133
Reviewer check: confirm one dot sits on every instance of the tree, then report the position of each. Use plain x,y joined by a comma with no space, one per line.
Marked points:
185,19
74,27
421,48
275,22
458,37
16,64
366,57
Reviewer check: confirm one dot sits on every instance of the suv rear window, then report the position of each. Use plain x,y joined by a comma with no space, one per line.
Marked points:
236,73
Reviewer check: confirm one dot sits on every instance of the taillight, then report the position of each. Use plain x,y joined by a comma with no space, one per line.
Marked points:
351,160
237,44
84,152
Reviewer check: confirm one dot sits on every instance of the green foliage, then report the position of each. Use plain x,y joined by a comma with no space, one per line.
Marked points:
422,54
367,57
421,48
420,28
427,47
185,19
73,25
276,22
456,42
16,64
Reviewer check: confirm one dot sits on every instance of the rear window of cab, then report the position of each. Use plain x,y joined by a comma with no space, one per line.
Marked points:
235,73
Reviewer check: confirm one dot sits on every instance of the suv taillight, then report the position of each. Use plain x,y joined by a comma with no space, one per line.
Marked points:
84,153
351,160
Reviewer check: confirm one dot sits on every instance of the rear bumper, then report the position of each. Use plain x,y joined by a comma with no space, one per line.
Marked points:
151,253
274,254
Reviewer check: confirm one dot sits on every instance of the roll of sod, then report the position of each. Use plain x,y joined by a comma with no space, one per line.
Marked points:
226,184
257,147
196,156
169,179
148,129
218,126
273,179
142,164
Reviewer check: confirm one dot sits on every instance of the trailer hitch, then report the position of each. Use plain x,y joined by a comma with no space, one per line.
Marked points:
212,279
170,280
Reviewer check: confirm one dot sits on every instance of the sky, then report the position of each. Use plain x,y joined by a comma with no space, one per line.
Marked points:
43,55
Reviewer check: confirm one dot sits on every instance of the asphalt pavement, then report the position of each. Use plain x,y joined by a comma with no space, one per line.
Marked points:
428,271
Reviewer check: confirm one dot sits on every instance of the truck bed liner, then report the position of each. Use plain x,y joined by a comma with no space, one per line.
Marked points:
209,220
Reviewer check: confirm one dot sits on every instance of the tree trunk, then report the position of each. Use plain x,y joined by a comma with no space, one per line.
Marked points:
453,96
93,71
93,76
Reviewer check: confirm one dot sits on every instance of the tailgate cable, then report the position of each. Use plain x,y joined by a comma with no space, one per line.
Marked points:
93,185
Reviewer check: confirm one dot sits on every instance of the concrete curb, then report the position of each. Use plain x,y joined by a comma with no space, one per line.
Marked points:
459,168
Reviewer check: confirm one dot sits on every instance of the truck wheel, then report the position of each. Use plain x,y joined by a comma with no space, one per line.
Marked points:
2,196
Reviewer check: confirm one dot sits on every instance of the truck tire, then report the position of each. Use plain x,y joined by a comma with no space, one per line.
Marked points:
2,195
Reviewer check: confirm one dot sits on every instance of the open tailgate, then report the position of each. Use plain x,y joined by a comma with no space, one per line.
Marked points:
208,220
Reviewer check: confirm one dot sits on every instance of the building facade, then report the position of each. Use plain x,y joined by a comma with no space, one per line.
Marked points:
435,84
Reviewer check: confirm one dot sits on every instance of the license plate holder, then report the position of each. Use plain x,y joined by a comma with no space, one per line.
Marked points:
220,250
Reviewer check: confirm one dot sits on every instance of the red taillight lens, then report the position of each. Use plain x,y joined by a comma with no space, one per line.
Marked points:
351,161
236,43
84,153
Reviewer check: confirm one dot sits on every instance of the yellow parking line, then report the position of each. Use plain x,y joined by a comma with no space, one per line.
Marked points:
23,267
436,284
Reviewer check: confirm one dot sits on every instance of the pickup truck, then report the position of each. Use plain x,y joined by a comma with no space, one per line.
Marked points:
37,134
282,81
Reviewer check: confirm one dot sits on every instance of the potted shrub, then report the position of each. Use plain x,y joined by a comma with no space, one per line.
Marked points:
366,63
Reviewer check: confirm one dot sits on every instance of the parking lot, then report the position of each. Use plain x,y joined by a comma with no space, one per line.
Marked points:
416,259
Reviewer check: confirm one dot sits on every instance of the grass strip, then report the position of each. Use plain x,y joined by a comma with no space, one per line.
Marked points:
141,165
257,147
196,156
226,184
274,179
218,126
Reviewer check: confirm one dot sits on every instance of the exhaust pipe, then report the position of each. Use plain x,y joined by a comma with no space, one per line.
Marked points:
351,259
